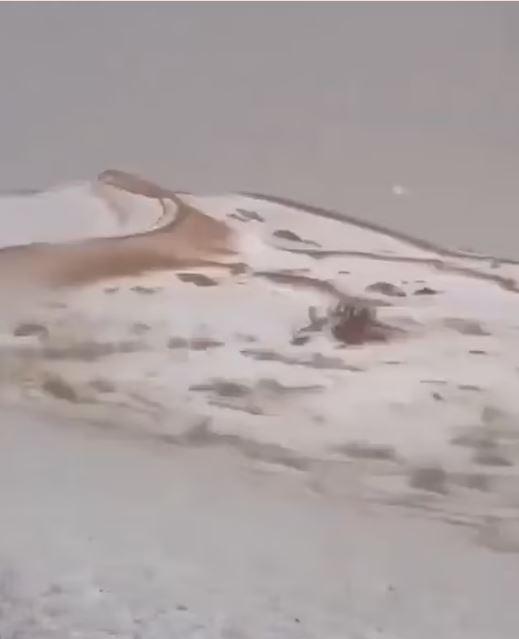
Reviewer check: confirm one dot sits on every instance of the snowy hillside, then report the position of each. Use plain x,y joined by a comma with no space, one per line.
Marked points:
304,425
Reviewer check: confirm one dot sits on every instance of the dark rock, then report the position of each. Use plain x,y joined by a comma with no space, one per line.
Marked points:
430,478
250,215
102,385
144,290
196,278
469,387
386,288
352,324
474,481
491,458
285,234
60,389
139,328
425,291
476,438
177,342
29,329
465,327
91,351
224,388
203,343
359,450
238,269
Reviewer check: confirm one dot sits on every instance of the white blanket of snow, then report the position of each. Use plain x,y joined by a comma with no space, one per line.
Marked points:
102,537
173,466
75,212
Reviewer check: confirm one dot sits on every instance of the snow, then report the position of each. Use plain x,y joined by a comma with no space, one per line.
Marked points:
175,462
151,541
322,231
75,212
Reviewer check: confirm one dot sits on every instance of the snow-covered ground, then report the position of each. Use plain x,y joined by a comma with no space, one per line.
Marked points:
75,212
105,536
305,427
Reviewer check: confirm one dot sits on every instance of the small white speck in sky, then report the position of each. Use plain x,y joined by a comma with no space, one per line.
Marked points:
399,190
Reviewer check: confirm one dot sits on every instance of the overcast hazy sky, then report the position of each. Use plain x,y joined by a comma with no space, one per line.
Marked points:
329,103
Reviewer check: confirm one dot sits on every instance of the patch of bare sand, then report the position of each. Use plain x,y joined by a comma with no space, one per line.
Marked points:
192,239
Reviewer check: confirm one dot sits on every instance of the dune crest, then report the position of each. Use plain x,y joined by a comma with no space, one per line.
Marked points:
189,238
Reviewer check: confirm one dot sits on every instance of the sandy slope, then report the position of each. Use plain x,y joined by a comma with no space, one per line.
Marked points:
131,233
266,408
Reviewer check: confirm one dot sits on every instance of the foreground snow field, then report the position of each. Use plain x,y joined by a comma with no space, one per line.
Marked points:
106,536
242,417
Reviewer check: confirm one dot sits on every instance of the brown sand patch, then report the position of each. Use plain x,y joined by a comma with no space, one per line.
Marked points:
192,239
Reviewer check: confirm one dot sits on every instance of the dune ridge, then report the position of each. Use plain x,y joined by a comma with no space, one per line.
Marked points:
191,239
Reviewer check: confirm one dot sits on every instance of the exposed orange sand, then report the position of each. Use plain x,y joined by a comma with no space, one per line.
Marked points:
192,239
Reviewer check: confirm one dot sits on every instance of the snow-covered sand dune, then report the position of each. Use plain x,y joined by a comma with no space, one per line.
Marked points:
75,212
242,349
